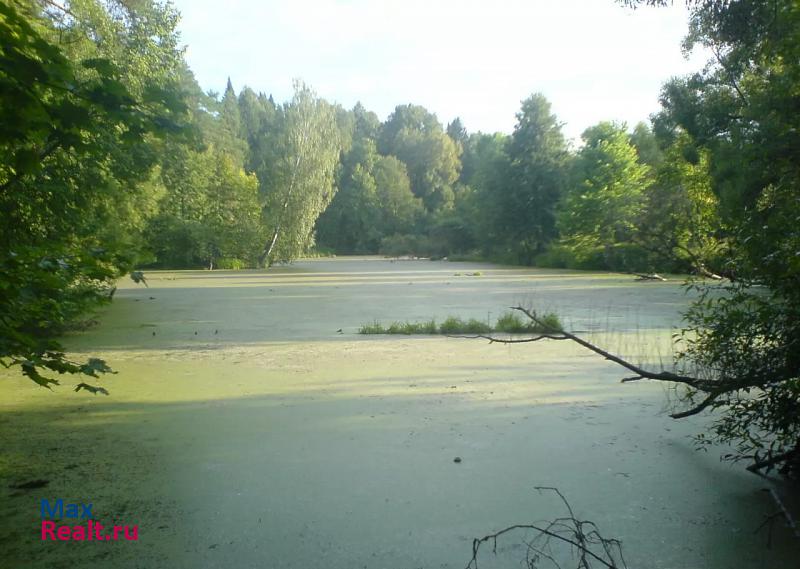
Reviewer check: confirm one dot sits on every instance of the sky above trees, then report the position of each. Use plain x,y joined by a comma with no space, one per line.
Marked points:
595,60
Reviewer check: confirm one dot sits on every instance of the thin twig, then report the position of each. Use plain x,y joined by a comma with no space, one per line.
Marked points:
576,537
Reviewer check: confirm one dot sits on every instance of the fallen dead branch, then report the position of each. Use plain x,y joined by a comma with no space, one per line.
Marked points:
563,538
649,277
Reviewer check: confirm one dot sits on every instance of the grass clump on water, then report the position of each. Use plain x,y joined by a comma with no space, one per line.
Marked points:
453,325
508,323
512,323
402,328
409,328
374,328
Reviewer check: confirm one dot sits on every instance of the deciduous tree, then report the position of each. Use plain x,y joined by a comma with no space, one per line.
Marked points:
607,191
301,183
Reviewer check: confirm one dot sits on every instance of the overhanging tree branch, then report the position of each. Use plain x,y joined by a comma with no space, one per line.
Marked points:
717,390
640,372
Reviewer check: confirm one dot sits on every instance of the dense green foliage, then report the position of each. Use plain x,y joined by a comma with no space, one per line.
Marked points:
80,134
602,206
299,183
112,157
627,201
524,181
741,116
728,186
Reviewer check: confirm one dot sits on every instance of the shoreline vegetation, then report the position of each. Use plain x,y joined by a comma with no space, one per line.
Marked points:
508,323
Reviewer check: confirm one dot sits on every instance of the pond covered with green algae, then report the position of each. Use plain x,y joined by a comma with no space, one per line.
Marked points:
250,426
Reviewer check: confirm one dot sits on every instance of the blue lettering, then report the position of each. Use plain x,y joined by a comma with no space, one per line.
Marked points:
56,511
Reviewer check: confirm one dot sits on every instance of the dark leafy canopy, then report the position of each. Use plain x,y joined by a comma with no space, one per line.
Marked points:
416,137
741,115
680,226
538,157
607,192
524,182
209,213
77,133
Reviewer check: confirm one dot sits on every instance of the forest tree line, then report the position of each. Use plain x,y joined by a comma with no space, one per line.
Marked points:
351,184
240,181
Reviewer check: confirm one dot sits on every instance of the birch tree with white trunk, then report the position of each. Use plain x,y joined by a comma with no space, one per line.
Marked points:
301,177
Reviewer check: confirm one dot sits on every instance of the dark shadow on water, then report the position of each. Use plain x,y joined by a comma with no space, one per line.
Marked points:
246,476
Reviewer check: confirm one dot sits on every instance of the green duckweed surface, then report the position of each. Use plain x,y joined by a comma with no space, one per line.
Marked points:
250,426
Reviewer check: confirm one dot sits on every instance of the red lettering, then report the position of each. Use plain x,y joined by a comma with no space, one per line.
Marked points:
64,533
78,533
47,529
91,531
